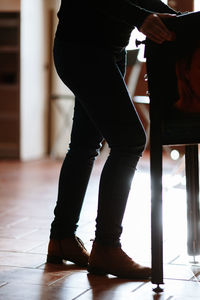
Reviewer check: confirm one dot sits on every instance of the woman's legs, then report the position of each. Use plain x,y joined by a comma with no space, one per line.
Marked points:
102,94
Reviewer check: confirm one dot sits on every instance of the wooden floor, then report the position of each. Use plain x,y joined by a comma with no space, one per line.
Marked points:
27,196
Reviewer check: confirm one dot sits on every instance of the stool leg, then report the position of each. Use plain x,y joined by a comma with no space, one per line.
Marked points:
156,208
193,208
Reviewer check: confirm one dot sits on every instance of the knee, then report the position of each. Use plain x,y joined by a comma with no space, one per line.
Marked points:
132,143
137,141
84,151
140,146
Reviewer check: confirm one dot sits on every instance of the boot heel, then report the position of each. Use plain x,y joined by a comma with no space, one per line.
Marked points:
96,271
54,259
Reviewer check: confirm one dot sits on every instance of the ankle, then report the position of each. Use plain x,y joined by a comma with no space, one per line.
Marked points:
107,243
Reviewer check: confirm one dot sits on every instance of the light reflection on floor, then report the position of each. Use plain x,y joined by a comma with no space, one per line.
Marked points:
136,237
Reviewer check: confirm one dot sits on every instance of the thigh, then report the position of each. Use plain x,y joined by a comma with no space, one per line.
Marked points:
96,79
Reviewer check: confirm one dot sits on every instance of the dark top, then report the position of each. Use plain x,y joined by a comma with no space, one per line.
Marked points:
106,23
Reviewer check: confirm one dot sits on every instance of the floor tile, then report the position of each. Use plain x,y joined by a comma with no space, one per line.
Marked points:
41,249
103,288
15,232
172,288
33,276
79,279
18,259
178,272
184,259
17,245
31,222
9,219
21,291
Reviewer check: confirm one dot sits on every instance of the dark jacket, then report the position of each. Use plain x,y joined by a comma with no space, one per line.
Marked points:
106,23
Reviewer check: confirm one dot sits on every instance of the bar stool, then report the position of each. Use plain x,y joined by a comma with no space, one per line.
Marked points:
168,126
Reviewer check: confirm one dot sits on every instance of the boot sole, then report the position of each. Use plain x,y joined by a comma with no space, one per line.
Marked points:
52,259
96,271
101,272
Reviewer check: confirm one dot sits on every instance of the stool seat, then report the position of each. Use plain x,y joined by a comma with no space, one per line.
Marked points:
181,128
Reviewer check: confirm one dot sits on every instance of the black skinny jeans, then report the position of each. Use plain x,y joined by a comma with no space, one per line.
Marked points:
103,110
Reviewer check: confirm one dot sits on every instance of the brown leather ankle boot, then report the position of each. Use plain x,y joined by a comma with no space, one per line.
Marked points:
113,260
71,249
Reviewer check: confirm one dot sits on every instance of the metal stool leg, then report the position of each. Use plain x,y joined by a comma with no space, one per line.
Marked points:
193,207
156,208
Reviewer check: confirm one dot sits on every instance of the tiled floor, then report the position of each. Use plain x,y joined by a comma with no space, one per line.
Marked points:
27,197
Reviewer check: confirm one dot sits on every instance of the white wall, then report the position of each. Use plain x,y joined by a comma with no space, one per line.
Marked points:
33,95
197,5
36,47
